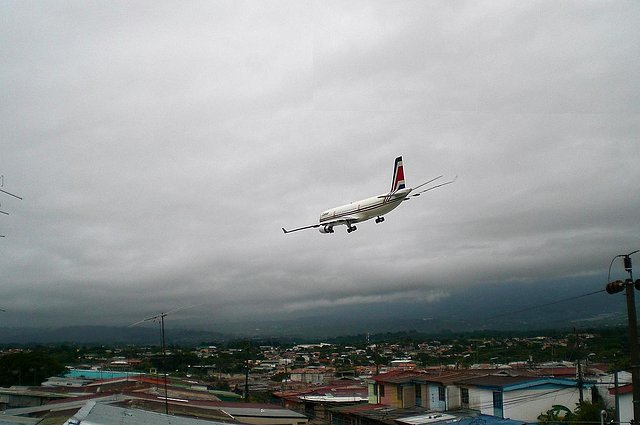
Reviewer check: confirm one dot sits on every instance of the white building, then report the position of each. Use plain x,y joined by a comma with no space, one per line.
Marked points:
520,397
625,400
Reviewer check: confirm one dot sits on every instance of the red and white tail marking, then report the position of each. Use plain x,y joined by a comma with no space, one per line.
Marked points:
398,176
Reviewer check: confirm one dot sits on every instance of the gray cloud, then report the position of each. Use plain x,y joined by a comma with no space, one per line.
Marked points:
159,149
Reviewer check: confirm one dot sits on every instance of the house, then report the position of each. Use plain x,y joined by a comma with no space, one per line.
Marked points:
370,414
147,395
436,391
399,389
521,397
315,402
311,375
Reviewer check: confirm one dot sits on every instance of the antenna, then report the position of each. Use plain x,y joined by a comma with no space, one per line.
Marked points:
155,318
161,317
8,193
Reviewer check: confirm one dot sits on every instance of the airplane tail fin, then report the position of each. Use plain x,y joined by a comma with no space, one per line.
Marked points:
398,176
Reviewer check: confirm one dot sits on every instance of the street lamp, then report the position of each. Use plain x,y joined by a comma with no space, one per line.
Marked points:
628,285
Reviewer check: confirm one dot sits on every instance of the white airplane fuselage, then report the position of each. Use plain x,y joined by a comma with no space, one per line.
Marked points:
365,209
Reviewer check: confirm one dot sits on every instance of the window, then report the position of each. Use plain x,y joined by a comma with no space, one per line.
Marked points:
381,390
464,397
442,394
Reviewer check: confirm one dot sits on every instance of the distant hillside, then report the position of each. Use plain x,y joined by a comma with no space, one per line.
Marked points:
103,335
549,305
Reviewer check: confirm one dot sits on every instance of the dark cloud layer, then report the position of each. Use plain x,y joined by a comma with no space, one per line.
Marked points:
159,149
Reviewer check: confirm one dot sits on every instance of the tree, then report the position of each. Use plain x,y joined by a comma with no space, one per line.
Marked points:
587,413
28,368
558,414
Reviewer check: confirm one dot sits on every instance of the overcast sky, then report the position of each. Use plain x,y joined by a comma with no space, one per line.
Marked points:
159,148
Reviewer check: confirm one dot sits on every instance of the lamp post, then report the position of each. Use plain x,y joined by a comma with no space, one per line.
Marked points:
628,286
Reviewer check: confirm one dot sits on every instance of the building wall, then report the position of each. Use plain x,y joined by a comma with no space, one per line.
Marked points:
607,382
8,401
527,405
626,407
481,400
390,396
307,377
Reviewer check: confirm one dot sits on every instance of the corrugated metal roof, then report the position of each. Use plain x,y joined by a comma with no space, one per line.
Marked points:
101,414
401,377
18,420
497,381
426,418
240,412
508,383
398,377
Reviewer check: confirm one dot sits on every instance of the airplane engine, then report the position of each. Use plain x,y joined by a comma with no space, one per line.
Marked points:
326,229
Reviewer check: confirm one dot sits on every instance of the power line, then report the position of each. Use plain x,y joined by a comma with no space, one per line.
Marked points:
533,307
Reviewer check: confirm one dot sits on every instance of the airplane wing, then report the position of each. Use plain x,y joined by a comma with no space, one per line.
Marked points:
392,195
432,187
344,221
425,183
300,228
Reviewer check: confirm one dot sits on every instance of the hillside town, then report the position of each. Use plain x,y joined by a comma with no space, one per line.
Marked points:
371,383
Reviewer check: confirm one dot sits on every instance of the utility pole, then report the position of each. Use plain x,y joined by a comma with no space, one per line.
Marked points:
246,380
617,397
628,286
579,367
164,364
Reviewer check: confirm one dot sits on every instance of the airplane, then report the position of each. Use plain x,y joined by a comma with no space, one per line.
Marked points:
375,206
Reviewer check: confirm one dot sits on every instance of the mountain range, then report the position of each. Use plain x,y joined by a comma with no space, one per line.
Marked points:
569,304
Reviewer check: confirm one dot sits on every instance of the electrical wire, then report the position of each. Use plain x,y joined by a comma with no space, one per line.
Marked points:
533,307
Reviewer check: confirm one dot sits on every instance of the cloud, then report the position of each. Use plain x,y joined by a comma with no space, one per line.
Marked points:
159,150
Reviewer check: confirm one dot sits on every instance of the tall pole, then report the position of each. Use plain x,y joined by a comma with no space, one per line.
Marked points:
164,366
633,338
628,286
617,396
246,380
579,367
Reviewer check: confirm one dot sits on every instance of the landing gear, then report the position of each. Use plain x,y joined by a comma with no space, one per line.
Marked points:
351,228
379,220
